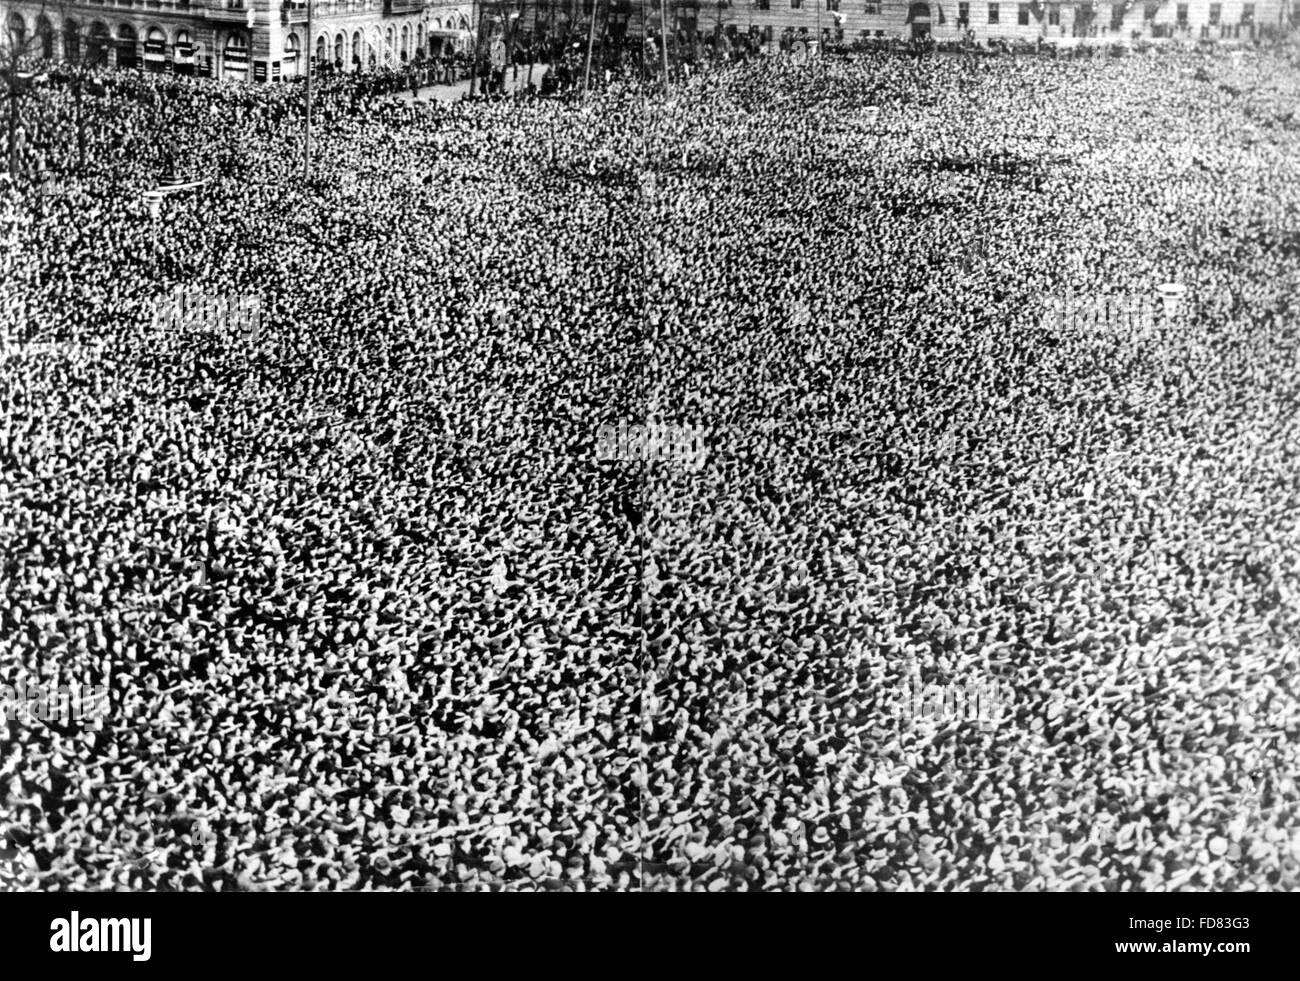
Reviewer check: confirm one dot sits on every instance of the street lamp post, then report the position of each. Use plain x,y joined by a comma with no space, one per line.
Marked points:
819,27
663,15
591,43
477,20
306,144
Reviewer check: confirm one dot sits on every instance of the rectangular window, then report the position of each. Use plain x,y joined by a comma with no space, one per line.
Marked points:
1022,14
1182,15
833,5
1215,10
963,14
1054,14
796,4
871,7
993,13
1248,13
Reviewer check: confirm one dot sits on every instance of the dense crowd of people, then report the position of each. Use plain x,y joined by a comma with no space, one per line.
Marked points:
374,613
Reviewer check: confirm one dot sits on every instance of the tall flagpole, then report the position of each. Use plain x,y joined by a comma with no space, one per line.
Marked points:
591,42
473,69
819,27
663,13
306,144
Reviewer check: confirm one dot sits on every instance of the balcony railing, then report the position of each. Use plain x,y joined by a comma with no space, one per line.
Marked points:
228,10
295,11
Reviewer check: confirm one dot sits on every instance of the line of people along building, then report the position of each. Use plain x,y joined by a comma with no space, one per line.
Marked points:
266,40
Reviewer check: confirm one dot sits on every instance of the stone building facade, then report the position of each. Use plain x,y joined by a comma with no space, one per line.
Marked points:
248,40
1192,20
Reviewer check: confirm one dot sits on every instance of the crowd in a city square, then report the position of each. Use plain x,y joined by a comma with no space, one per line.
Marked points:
374,612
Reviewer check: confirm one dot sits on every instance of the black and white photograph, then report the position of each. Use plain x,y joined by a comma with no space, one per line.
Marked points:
641,446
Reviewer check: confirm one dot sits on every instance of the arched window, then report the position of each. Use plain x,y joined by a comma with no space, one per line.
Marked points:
289,63
338,50
71,40
155,49
17,31
45,31
234,56
127,55
356,50
98,43
320,49
183,53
